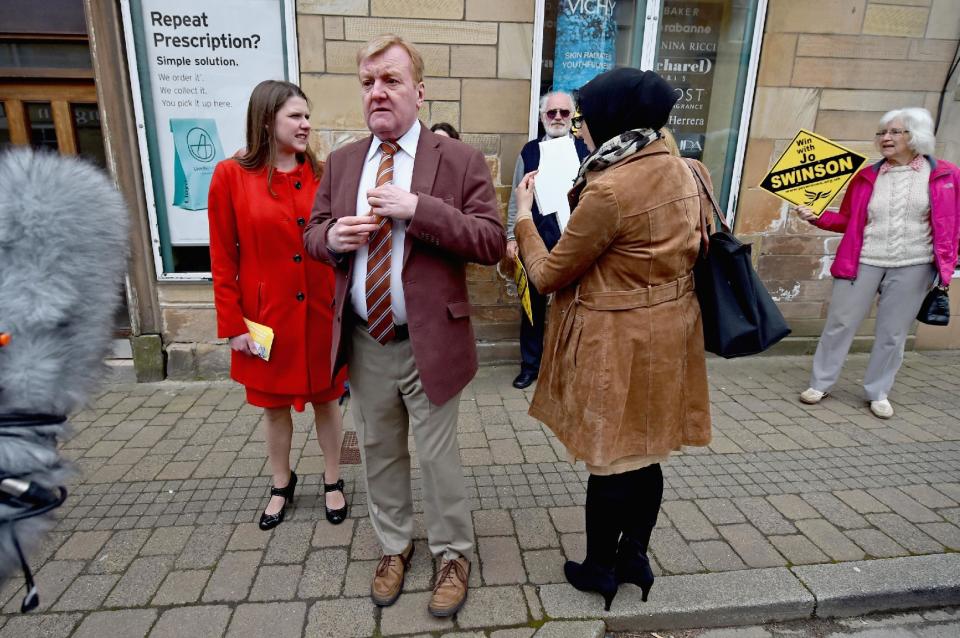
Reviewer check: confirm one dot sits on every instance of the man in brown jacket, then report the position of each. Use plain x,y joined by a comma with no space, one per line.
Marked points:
399,215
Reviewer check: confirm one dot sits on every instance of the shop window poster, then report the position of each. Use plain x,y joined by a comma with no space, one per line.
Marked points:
197,62
586,42
686,58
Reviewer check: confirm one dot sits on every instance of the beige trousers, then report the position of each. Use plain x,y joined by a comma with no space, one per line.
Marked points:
388,401
901,292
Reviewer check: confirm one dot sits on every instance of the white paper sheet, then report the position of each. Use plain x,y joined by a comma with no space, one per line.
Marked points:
558,168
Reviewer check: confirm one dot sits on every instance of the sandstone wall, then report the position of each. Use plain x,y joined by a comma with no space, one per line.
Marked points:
834,67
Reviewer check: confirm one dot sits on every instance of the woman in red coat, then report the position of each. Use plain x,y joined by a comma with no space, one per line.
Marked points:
258,206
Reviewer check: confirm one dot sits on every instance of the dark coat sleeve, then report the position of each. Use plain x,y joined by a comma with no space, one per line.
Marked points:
321,218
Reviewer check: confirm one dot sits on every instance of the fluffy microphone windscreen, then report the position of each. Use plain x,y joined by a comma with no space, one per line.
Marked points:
63,254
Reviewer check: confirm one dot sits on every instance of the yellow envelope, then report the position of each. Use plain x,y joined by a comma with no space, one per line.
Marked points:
262,335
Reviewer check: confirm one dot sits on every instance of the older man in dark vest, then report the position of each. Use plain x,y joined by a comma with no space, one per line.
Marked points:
556,114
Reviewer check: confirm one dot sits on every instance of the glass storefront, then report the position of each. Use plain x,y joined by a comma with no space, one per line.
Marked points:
702,47
18,54
43,133
86,123
4,126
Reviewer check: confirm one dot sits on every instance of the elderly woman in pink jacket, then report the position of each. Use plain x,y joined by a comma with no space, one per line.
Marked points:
900,220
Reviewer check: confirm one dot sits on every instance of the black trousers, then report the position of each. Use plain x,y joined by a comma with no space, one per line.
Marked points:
531,334
627,504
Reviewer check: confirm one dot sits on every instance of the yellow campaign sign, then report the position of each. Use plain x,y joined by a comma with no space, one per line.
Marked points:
812,171
523,288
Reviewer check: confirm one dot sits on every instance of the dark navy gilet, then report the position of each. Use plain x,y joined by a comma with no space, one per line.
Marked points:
546,225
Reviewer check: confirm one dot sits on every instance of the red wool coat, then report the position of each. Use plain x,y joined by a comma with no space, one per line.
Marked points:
262,272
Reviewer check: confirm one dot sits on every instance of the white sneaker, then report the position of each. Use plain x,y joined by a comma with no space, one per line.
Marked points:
881,409
812,396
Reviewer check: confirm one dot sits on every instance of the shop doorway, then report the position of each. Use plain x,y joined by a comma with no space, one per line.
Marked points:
48,98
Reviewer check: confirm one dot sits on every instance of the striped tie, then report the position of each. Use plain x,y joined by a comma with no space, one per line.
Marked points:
379,307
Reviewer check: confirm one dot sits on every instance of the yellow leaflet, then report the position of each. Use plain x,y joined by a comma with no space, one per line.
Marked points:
262,335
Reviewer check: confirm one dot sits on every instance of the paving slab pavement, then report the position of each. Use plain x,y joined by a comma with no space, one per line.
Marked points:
172,477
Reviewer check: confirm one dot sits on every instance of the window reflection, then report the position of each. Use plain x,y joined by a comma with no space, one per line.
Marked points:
86,119
702,47
687,58
56,55
43,133
4,126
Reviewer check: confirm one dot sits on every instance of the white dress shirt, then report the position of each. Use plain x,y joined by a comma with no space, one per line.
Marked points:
402,177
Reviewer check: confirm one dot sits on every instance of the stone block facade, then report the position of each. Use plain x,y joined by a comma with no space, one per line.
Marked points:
834,67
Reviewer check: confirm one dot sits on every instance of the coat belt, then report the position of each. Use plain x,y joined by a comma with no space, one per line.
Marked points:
615,300
639,298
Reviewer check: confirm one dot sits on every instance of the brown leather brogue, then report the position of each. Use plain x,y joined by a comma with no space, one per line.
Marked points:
388,579
450,590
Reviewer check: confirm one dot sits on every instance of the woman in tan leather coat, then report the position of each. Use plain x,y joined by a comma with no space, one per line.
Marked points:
623,381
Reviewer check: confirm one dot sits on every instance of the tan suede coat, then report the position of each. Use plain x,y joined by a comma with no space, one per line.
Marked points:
623,370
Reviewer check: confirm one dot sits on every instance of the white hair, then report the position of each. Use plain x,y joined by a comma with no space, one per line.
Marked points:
547,96
918,121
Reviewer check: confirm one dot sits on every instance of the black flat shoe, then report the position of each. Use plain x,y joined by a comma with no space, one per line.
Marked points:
524,379
269,521
336,516
587,576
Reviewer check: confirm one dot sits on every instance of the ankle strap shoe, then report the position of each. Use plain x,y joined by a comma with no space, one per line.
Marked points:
335,516
269,521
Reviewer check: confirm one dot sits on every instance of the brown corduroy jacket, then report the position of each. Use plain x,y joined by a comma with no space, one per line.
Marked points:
623,370
456,222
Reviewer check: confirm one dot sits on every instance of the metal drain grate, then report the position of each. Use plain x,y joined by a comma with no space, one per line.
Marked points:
349,449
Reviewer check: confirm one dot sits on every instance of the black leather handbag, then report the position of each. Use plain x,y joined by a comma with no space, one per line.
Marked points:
935,309
739,316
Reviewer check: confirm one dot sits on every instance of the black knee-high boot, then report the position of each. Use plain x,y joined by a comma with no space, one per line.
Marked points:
605,496
597,571
638,520
646,496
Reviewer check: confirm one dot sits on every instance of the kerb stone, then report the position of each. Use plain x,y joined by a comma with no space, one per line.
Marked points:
493,606
862,587
572,629
698,600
